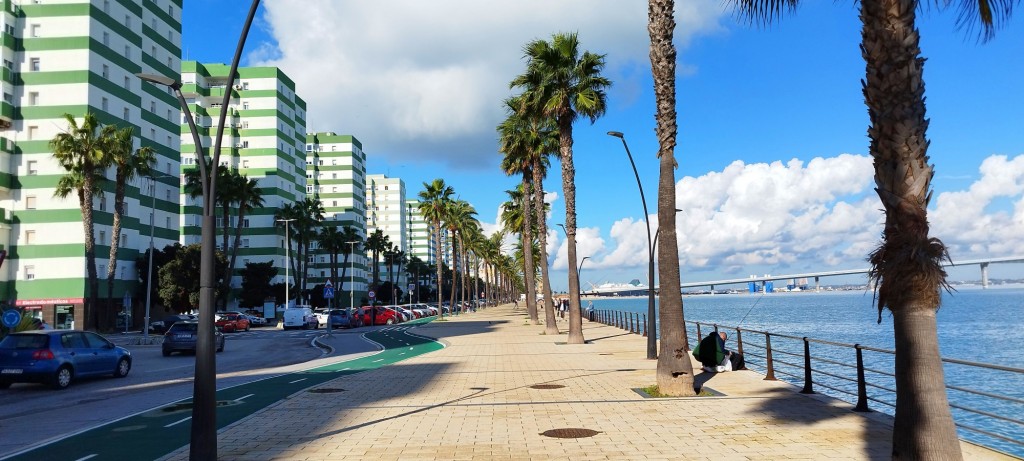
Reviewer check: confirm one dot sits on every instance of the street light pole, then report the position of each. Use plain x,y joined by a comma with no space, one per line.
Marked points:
352,279
580,269
203,440
149,272
287,258
652,345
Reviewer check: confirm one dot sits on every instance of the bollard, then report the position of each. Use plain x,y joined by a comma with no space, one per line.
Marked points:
739,341
862,385
645,325
808,382
636,324
699,336
769,375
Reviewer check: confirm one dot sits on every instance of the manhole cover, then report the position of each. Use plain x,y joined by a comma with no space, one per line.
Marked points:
570,433
546,386
326,390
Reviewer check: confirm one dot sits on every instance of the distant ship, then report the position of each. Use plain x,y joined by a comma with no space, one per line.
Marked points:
633,288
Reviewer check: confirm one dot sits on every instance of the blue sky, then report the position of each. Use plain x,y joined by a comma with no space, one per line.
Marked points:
773,170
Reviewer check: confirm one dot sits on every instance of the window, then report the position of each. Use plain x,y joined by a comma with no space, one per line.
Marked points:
103,203
30,202
125,113
33,167
34,30
245,105
245,243
30,272
30,237
152,106
103,104
33,133
33,98
106,38
245,223
103,237
106,71
127,83
101,269
124,240
33,64
128,51
152,133
167,222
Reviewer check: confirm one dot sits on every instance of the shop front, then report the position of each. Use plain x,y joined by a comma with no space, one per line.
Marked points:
58,312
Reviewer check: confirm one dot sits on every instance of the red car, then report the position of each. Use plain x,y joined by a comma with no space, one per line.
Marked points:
385,316
233,322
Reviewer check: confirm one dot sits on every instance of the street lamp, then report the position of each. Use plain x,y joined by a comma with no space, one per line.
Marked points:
652,345
580,269
149,272
287,258
352,278
203,440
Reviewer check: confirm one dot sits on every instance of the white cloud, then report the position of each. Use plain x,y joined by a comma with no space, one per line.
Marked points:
987,219
424,81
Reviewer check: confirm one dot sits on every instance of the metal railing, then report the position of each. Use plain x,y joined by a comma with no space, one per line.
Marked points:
986,399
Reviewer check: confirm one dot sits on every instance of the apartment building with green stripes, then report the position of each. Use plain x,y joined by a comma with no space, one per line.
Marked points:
336,175
386,210
420,237
264,139
78,57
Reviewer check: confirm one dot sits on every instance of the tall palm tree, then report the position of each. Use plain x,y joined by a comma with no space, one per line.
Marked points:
128,164
907,265
433,199
563,84
674,372
460,215
248,197
309,214
377,243
349,234
79,150
332,242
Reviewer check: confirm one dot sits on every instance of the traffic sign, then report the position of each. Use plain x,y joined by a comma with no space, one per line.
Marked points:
371,294
328,292
11,318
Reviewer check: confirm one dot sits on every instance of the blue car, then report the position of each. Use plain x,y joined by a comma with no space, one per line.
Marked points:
58,357
340,319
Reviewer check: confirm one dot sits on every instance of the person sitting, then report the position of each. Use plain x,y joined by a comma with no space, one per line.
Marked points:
713,355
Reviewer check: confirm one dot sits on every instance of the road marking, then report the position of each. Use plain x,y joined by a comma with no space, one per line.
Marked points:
378,360
402,353
88,457
243,398
178,422
297,380
345,369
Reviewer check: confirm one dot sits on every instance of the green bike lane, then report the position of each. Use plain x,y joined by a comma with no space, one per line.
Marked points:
159,431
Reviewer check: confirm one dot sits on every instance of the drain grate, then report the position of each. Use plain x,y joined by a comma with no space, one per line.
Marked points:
326,390
570,433
546,386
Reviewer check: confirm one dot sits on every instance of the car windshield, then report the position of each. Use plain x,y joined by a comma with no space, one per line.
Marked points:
17,341
184,327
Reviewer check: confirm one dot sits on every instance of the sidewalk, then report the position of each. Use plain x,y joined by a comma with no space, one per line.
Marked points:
479,399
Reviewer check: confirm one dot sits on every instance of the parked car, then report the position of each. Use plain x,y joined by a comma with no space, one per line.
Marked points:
161,326
339,318
58,357
300,317
321,315
182,336
255,320
384,316
231,323
404,313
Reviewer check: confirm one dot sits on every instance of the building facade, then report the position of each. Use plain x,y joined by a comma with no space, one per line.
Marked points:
336,176
386,210
264,140
79,57
421,240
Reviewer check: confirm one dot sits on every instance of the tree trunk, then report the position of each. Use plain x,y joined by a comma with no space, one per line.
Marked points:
569,189
437,260
907,263
550,326
675,371
455,270
115,242
90,318
226,284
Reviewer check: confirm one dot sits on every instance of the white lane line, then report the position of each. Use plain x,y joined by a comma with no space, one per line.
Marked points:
297,380
245,397
178,422
88,457
378,360
402,353
344,369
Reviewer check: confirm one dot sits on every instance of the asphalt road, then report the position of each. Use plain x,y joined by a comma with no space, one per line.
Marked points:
148,430
32,413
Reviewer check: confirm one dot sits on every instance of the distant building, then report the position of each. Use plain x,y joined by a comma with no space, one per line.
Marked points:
386,210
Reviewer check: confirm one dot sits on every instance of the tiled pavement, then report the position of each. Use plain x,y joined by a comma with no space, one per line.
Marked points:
473,400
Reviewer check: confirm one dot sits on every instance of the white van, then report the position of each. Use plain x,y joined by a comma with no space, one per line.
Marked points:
300,317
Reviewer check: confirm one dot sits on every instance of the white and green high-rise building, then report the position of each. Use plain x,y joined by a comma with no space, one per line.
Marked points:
386,210
264,139
77,57
420,237
336,175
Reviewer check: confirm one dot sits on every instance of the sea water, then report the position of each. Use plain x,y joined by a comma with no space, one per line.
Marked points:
974,324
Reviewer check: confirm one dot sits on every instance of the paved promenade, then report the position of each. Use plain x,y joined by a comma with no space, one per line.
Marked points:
477,400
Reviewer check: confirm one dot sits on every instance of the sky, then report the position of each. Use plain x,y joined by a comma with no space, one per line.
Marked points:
774,173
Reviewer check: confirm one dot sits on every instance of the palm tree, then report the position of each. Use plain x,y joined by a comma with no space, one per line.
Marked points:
332,242
377,243
674,372
129,163
79,150
433,199
907,265
460,215
285,216
562,84
309,214
348,234
249,197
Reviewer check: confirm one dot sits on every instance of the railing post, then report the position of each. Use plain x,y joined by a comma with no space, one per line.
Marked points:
808,382
699,336
739,341
637,323
769,375
645,325
862,385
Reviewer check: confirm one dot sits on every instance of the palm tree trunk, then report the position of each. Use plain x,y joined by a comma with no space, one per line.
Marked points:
226,285
455,270
90,318
115,243
437,260
907,264
550,325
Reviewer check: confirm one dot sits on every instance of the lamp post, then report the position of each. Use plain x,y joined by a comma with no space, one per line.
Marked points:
149,271
352,278
203,440
287,258
652,345
578,270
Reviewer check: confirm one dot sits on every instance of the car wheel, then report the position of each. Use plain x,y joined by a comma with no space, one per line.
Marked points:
123,367
390,322
221,348
247,327
167,353
62,378
4,384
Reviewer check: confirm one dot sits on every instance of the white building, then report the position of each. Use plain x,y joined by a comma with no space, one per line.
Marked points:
76,57
386,210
